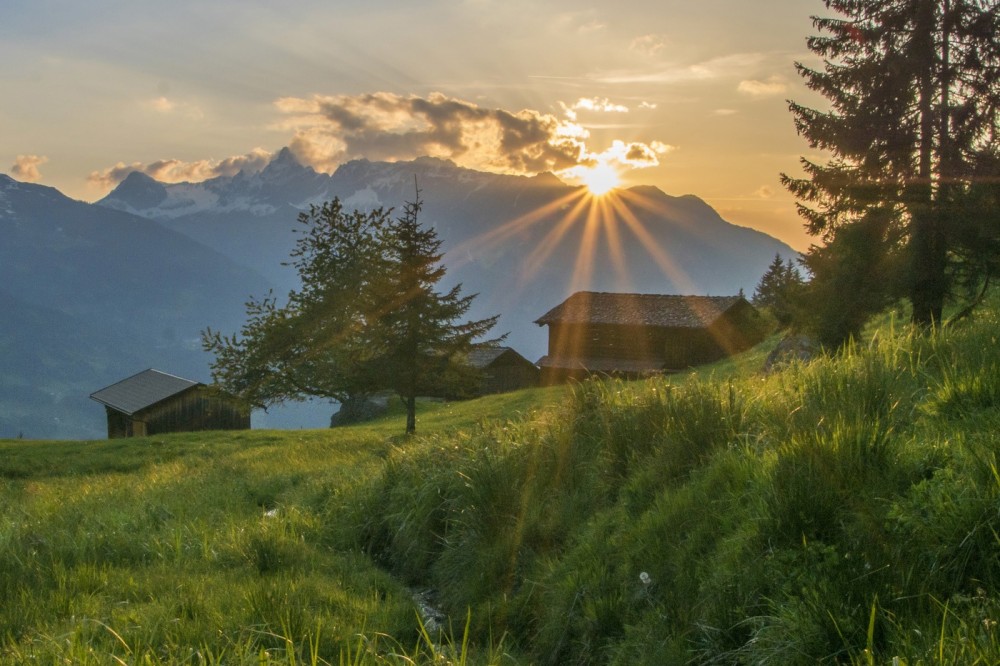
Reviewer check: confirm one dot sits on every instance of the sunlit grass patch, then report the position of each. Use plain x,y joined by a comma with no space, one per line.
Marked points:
841,510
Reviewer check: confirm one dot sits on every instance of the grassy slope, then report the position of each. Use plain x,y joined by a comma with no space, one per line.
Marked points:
203,547
847,510
164,546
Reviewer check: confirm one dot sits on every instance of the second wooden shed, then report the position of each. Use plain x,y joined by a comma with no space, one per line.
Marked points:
503,369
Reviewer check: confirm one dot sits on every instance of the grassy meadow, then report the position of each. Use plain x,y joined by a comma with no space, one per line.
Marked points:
841,511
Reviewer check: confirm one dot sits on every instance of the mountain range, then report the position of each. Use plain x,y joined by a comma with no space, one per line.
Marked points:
96,292
91,295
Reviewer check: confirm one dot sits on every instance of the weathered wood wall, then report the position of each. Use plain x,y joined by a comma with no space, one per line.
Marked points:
503,377
193,410
676,347
673,348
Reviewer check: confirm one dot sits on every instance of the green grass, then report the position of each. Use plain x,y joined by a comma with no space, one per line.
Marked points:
769,514
169,545
210,547
841,511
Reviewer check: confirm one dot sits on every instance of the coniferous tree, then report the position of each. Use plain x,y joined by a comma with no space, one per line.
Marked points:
977,239
914,92
778,290
423,346
851,279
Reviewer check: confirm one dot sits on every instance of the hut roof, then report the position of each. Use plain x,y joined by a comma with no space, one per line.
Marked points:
483,357
142,390
668,311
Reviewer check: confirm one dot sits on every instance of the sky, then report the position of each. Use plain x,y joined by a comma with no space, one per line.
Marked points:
691,97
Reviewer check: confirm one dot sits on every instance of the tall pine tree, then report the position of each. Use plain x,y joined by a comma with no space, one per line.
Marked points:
914,94
423,343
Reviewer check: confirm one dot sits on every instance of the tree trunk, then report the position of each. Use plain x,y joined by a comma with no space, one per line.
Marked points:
929,261
411,414
927,247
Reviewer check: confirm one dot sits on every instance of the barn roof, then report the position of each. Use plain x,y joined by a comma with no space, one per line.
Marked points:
668,311
483,357
142,390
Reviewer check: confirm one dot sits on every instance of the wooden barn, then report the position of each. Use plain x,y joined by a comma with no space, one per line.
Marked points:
503,369
154,402
633,335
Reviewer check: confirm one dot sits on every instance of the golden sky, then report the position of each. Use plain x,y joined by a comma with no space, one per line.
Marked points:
688,96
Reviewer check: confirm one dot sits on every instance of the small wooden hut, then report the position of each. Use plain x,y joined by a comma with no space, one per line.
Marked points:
503,369
153,402
632,335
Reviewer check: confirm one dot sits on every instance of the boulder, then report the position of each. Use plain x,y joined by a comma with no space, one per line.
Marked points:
359,410
793,347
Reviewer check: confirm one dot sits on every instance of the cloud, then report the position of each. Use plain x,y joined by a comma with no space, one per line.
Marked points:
599,104
763,192
26,167
165,106
724,112
591,26
620,156
162,104
648,44
637,155
662,148
329,130
774,85
647,105
178,171
723,66
581,22
591,104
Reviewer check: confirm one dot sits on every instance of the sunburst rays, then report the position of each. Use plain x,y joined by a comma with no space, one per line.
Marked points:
598,226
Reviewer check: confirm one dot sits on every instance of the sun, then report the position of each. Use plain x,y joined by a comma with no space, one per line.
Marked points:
599,179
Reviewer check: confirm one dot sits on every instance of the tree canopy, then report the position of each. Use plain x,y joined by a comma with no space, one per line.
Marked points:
914,100
367,317
778,290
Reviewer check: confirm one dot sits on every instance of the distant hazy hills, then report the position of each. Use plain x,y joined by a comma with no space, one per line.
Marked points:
90,295
95,292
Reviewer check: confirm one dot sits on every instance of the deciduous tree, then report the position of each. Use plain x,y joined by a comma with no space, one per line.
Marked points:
366,318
